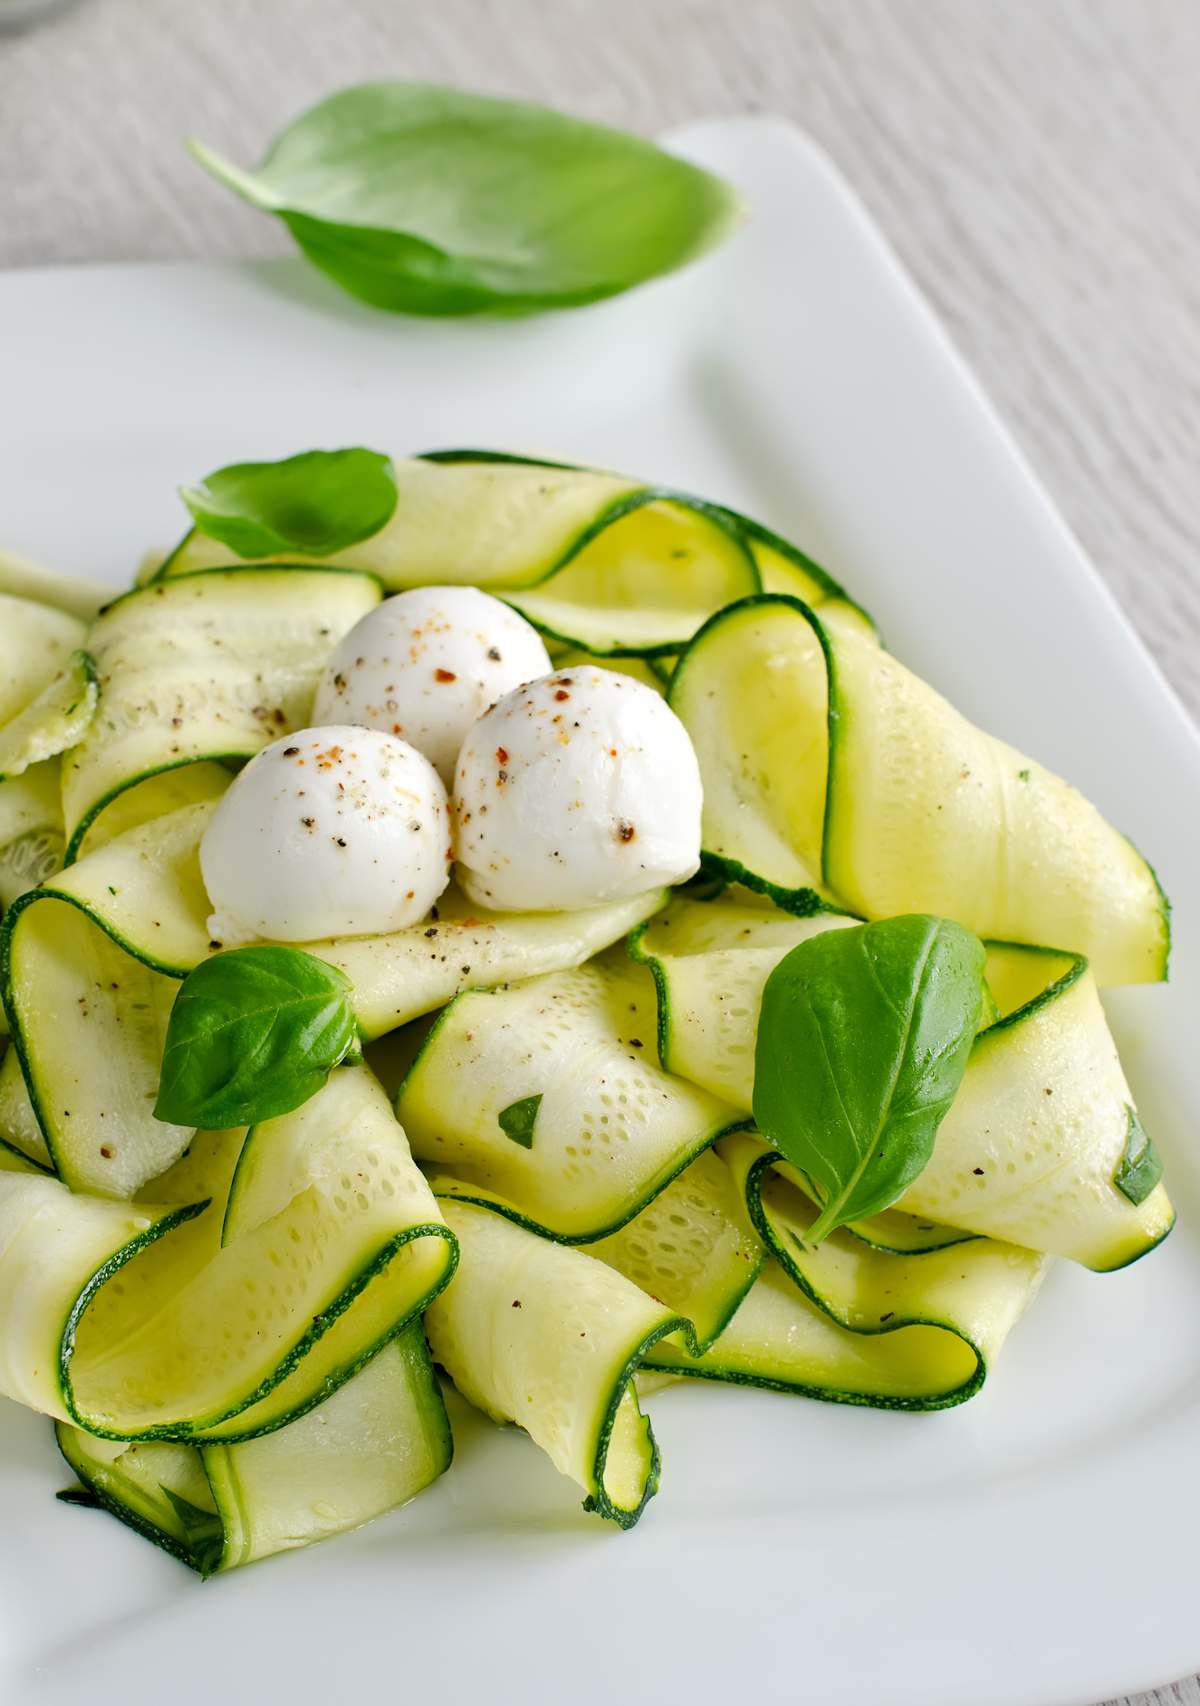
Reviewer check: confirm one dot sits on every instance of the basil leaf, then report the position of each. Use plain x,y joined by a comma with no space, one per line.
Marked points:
1140,1167
863,1039
518,1119
253,1033
427,200
203,1531
315,503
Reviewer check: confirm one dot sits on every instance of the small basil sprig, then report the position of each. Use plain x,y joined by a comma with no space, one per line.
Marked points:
427,200
253,1033
863,1039
315,503
1140,1167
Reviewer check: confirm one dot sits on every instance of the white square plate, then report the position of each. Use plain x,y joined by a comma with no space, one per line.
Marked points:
1034,1548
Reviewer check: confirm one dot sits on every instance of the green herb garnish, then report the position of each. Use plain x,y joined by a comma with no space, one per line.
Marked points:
427,200
517,1120
315,503
863,1039
253,1033
1140,1167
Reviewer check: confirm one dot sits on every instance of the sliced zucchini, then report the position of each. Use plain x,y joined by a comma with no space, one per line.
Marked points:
549,1338
758,711
646,670
156,1488
693,1248
56,1248
153,797
88,1021
55,720
1032,1146
31,830
36,642
978,1289
199,1339
778,1339
144,889
653,570
12,1161
548,1095
20,1133
829,768
375,1444
783,567
75,596
710,960
206,666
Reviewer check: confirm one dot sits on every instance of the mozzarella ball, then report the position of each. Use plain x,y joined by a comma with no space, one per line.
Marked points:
336,831
574,790
425,664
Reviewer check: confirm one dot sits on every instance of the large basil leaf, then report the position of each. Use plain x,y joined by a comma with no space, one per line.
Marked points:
315,503
253,1033
435,201
863,1039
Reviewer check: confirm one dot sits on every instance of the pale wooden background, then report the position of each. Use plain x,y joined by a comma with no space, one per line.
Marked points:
1035,162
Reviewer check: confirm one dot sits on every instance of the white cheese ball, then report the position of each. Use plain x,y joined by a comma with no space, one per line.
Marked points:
425,664
574,790
338,831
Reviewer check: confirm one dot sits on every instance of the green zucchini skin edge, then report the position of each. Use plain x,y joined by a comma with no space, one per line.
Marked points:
1119,1267
8,925
113,1507
762,1225
91,678
1045,996
16,1035
11,1148
254,565
1164,908
617,511
198,1433
698,1346
754,530
583,1239
79,834
599,1500
514,1214
47,891
148,1530
636,949
119,1258
829,1394
801,902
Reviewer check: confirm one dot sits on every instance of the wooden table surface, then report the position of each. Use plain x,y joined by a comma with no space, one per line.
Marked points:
1036,163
